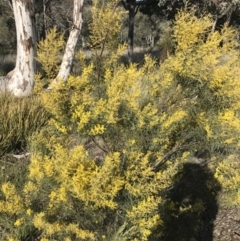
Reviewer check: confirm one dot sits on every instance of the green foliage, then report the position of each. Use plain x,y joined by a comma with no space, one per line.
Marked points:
48,54
20,118
228,174
14,171
208,6
104,31
121,142
8,36
5,44
166,42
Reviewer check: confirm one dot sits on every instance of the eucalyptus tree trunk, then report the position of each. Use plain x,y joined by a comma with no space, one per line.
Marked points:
21,79
72,41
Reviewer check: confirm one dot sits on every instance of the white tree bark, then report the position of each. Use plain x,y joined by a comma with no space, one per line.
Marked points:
20,80
72,41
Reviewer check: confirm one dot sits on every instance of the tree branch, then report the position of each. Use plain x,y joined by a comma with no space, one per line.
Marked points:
169,154
136,9
96,143
125,5
9,4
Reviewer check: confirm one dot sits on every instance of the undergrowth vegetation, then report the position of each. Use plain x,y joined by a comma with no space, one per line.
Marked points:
131,151
20,118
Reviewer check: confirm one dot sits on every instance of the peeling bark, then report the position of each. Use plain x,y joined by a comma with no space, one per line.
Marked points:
20,80
72,41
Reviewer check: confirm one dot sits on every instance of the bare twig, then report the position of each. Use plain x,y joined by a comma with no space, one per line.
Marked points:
97,144
238,234
169,154
214,25
24,155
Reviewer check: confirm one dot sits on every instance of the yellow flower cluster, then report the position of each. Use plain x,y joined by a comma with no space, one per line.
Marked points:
13,201
97,130
228,174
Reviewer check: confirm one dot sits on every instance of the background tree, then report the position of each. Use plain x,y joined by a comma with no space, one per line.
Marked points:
7,28
223,11
74,27
20,80
132,6
72,41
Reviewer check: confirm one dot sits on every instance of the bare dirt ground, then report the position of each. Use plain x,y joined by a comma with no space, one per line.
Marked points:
227,225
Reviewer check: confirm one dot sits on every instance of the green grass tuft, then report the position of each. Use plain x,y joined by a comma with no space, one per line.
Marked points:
19,119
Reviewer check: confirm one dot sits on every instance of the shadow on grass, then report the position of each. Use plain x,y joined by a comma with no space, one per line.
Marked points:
191,206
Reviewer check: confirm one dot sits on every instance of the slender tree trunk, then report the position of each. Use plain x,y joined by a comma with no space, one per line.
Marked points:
72,41
132,7
131,14
44,19
20,80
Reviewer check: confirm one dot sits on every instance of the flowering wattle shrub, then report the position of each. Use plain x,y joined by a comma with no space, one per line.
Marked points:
119,135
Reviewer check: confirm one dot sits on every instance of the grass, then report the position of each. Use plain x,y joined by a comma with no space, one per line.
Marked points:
20,118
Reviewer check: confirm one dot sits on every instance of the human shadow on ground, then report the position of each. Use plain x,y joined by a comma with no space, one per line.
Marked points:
191,206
